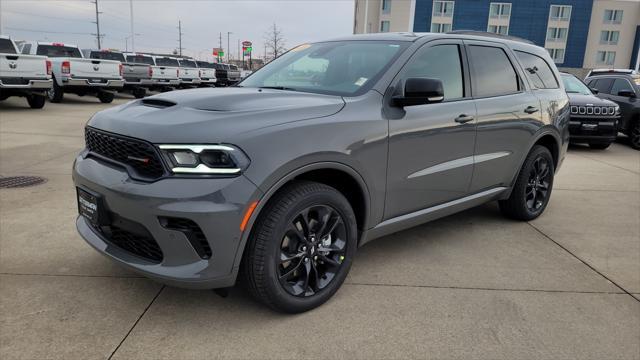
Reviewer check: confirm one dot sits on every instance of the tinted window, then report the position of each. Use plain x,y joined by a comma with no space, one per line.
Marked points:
187,63
206,65
58,51
538,71
140,59
440,62
107,55
164,61
620,85
493,72
6,47
26,48
603,85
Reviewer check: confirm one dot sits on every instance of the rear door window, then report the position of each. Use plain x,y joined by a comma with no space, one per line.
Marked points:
493,73
6,47
538,71
602,85
441,62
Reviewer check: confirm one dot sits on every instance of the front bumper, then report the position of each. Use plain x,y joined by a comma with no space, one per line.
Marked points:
217,206
593,129
35,84
100,83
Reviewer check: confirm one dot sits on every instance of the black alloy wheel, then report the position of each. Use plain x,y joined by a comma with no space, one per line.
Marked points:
537,189
312,250
634,135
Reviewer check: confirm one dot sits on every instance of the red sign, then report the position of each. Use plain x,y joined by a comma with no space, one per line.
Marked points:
246,43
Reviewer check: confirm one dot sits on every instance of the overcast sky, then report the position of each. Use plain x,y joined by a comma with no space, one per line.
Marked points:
156,22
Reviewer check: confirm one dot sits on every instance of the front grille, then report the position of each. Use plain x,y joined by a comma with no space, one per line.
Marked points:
593,110
192,231
136,154
143,246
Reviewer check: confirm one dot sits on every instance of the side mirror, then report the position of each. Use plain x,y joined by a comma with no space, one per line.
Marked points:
419,91
594,91
627,93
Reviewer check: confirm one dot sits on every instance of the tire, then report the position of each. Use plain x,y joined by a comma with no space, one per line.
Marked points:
599,146
139,93
634,135
106,97
36,101
55,94
279,283
532,184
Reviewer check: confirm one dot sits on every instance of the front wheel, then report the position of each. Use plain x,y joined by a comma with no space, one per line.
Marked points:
634,135
533,186
106,97
301,247
35,101
139,92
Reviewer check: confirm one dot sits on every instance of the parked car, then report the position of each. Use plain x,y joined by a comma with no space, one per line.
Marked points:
288,173
188,72
225,75
593,120
207,73
621,87
165,72
28,76
137,77
74,74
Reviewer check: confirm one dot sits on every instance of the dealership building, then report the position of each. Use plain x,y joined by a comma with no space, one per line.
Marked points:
577,33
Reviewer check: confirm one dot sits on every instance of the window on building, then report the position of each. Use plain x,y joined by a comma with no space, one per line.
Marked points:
386,6
557,34
385,26
538,71
440,62
612,16
606,57
440,28
443,8
498,29
560,12
621,85
608,37
493,73
500,10
557,55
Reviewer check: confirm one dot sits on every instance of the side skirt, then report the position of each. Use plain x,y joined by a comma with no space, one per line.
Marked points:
410,220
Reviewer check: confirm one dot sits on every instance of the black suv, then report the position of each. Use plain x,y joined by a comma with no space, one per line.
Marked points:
593,120
623,88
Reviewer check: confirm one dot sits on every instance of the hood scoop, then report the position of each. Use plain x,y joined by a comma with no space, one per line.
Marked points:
158,103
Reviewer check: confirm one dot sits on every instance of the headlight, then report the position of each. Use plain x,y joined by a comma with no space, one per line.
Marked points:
617,110
205,159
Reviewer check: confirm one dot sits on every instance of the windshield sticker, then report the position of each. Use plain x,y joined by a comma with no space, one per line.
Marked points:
361,81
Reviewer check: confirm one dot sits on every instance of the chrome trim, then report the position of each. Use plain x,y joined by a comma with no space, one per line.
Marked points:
582,110
86,82
452,164
196,148
204,169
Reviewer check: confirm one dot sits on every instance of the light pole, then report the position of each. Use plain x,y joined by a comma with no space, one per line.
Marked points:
126,42
228,43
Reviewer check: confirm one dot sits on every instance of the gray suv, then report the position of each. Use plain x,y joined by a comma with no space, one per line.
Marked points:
281,178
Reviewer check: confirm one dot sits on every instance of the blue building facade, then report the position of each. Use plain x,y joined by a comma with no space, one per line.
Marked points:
528,20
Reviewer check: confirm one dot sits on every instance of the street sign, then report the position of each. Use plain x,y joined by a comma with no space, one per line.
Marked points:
246,44
218,52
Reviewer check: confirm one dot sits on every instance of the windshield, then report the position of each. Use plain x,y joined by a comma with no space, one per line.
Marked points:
107,55
140,59
343,68
187,63
574,86
165,61
58,51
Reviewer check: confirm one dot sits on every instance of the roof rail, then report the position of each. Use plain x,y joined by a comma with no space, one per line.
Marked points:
491,35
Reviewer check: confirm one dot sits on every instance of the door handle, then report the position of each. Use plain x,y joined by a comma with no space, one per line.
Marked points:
531,110
463,119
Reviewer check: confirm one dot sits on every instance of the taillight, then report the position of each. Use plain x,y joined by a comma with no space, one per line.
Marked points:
121,70
150,71
48,67
66,67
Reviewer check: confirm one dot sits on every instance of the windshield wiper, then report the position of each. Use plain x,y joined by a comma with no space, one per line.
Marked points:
276,88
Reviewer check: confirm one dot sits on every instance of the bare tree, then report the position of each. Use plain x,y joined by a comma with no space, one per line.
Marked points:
274,41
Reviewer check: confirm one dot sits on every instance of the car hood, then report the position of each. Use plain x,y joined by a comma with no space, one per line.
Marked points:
212,115
580,99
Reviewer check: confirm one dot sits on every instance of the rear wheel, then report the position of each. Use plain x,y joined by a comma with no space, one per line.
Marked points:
634,134
106,97
36,101
532,190
55,94
139,92
301,247
599,146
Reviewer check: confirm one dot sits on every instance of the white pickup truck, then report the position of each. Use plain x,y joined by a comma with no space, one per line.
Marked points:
207,73
165,72
189,72
23,75
74,74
